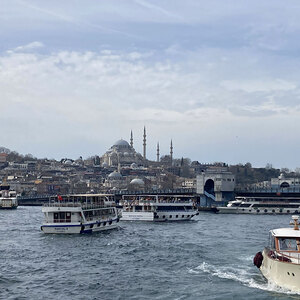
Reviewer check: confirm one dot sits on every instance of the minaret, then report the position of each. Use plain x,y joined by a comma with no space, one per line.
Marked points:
157,153
131,139
144,143
171,152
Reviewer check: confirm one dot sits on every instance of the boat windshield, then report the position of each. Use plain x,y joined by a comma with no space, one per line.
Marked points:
288,244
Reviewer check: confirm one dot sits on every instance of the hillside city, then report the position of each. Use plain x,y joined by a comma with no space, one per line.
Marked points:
121,168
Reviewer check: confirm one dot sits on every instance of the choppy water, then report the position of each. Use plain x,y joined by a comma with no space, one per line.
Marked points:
208,258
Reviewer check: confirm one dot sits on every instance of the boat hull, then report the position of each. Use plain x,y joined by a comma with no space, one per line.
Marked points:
69,228
158,216
260,211
283,274
137,216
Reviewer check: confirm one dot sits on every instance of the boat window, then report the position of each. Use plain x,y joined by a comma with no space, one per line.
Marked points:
287,244
68,217
271,241
138,208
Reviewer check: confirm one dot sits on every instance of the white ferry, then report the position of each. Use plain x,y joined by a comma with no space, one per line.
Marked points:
251,206
8,198
157,208
280,261
82,213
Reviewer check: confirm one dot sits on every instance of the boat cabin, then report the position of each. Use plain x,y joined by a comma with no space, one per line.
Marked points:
79,208
284,243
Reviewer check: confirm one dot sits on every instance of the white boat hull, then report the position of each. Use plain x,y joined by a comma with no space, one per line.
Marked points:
137,216
260,211
159,217
76,228
283,274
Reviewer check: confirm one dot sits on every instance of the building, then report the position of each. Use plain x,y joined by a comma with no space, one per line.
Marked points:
121,153
283,182
218,185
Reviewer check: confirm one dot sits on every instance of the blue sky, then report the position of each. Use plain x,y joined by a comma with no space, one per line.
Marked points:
221,78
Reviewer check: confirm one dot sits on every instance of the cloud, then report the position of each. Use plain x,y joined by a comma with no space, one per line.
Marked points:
72,98
28,47
159,9
262,85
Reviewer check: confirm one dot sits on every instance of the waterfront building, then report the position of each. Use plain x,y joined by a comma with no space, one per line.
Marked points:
285,182
217,185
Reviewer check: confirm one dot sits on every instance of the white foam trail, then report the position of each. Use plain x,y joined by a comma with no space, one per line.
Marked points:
243,276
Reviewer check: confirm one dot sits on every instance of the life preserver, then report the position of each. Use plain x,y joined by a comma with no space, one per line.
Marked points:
258,259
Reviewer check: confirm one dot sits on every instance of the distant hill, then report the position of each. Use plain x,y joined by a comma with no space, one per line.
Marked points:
246,175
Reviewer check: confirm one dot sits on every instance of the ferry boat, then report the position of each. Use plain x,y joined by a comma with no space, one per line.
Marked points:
157,208
280,261
8,198
80,213
243,205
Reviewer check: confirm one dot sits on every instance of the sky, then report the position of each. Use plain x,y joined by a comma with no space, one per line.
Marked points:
218,77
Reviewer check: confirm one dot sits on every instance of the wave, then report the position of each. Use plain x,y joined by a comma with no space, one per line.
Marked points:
244,276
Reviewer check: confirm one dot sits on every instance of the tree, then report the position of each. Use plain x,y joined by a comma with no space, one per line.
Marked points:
269,166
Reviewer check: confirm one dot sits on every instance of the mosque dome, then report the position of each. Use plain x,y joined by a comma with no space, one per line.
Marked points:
137,181
121,143
105,164
115,175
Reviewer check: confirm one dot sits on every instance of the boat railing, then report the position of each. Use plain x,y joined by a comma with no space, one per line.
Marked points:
153,201
77,204
294,257
285,256
103,218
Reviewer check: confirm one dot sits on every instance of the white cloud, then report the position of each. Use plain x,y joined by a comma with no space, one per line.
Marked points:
28,47
262,85
77,103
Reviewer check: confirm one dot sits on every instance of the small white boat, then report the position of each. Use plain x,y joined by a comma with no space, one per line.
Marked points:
8,198
280,261
82,213
157,208
243,205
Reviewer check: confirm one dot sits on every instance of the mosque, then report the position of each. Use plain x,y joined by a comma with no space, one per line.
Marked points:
121,153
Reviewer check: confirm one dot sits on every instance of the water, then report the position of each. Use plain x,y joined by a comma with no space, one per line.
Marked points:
208,258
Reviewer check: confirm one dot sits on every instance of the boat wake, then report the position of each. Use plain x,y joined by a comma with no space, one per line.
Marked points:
245,276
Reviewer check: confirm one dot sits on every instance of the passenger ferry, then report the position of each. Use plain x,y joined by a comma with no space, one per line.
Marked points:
157,208
8,198
82,213
280,261
244,205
